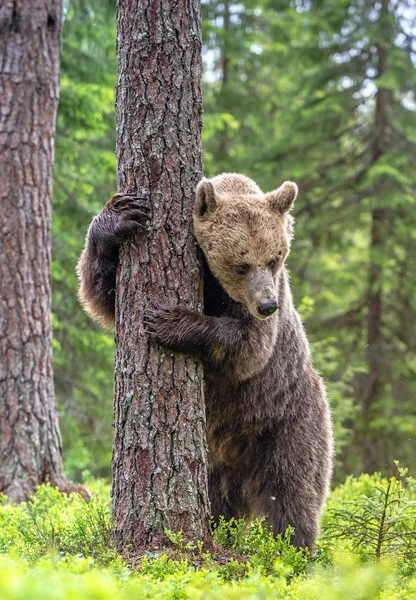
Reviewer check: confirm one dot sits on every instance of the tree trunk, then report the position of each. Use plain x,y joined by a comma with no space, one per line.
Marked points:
375,351
223,135
30,441
159,460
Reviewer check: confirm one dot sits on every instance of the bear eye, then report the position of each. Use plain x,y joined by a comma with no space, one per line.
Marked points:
272,264
242,269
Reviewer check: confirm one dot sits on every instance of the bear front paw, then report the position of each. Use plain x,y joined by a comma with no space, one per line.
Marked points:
130,213
167,324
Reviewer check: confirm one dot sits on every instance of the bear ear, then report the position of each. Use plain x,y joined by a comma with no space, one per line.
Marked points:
282,199
205,198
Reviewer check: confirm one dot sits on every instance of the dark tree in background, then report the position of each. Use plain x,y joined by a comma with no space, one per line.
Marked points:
370,387
159,461
30,442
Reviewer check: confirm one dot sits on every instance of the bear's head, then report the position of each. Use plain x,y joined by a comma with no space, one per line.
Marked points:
245,236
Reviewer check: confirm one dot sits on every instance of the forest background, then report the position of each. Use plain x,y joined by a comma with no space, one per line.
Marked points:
289,93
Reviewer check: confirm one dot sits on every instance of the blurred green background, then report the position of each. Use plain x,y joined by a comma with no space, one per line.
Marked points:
320,92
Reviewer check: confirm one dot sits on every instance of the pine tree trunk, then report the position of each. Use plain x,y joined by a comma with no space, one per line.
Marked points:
371,449
30,441
223,103
159,460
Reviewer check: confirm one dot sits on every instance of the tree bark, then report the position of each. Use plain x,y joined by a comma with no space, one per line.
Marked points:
30,441
159,460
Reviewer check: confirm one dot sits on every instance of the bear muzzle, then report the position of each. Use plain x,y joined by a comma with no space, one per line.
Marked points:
267,308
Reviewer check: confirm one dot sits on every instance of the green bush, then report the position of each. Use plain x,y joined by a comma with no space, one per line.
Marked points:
52,522
267,552
59,547
374,518
79,579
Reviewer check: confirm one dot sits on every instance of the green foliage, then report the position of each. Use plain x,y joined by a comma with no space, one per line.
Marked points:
230,534
84,179
58,546
269,553
301,82
81,580
52,522
378,524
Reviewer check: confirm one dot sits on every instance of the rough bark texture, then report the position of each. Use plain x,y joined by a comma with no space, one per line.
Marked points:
159,461
30,442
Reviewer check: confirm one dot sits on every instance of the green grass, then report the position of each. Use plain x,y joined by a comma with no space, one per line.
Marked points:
59,547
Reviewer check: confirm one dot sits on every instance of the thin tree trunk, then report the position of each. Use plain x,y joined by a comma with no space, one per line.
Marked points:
223,135
375,358
30,441
159,460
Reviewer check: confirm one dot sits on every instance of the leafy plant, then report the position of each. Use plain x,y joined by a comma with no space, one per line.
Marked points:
52,522
378,524
265,551
58,546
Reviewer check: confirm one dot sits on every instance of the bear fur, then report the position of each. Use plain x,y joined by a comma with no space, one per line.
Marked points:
268,422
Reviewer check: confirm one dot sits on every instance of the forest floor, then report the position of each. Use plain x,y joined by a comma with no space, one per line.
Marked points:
59,547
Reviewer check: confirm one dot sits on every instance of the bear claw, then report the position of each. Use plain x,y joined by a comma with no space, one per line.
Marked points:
129,200
150,318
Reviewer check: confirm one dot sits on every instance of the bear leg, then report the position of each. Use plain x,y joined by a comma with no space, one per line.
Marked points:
226,494
290,490
288,508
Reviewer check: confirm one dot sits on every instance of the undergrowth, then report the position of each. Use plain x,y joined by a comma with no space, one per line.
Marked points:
60,547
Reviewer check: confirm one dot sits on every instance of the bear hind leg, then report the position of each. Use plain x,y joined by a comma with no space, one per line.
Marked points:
226,495
286,505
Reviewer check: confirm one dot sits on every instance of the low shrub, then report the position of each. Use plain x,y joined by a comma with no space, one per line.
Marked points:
59,547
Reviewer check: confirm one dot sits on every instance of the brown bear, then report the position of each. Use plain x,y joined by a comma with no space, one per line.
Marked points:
268,422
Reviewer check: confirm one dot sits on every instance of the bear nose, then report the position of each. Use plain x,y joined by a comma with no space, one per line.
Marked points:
268,308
